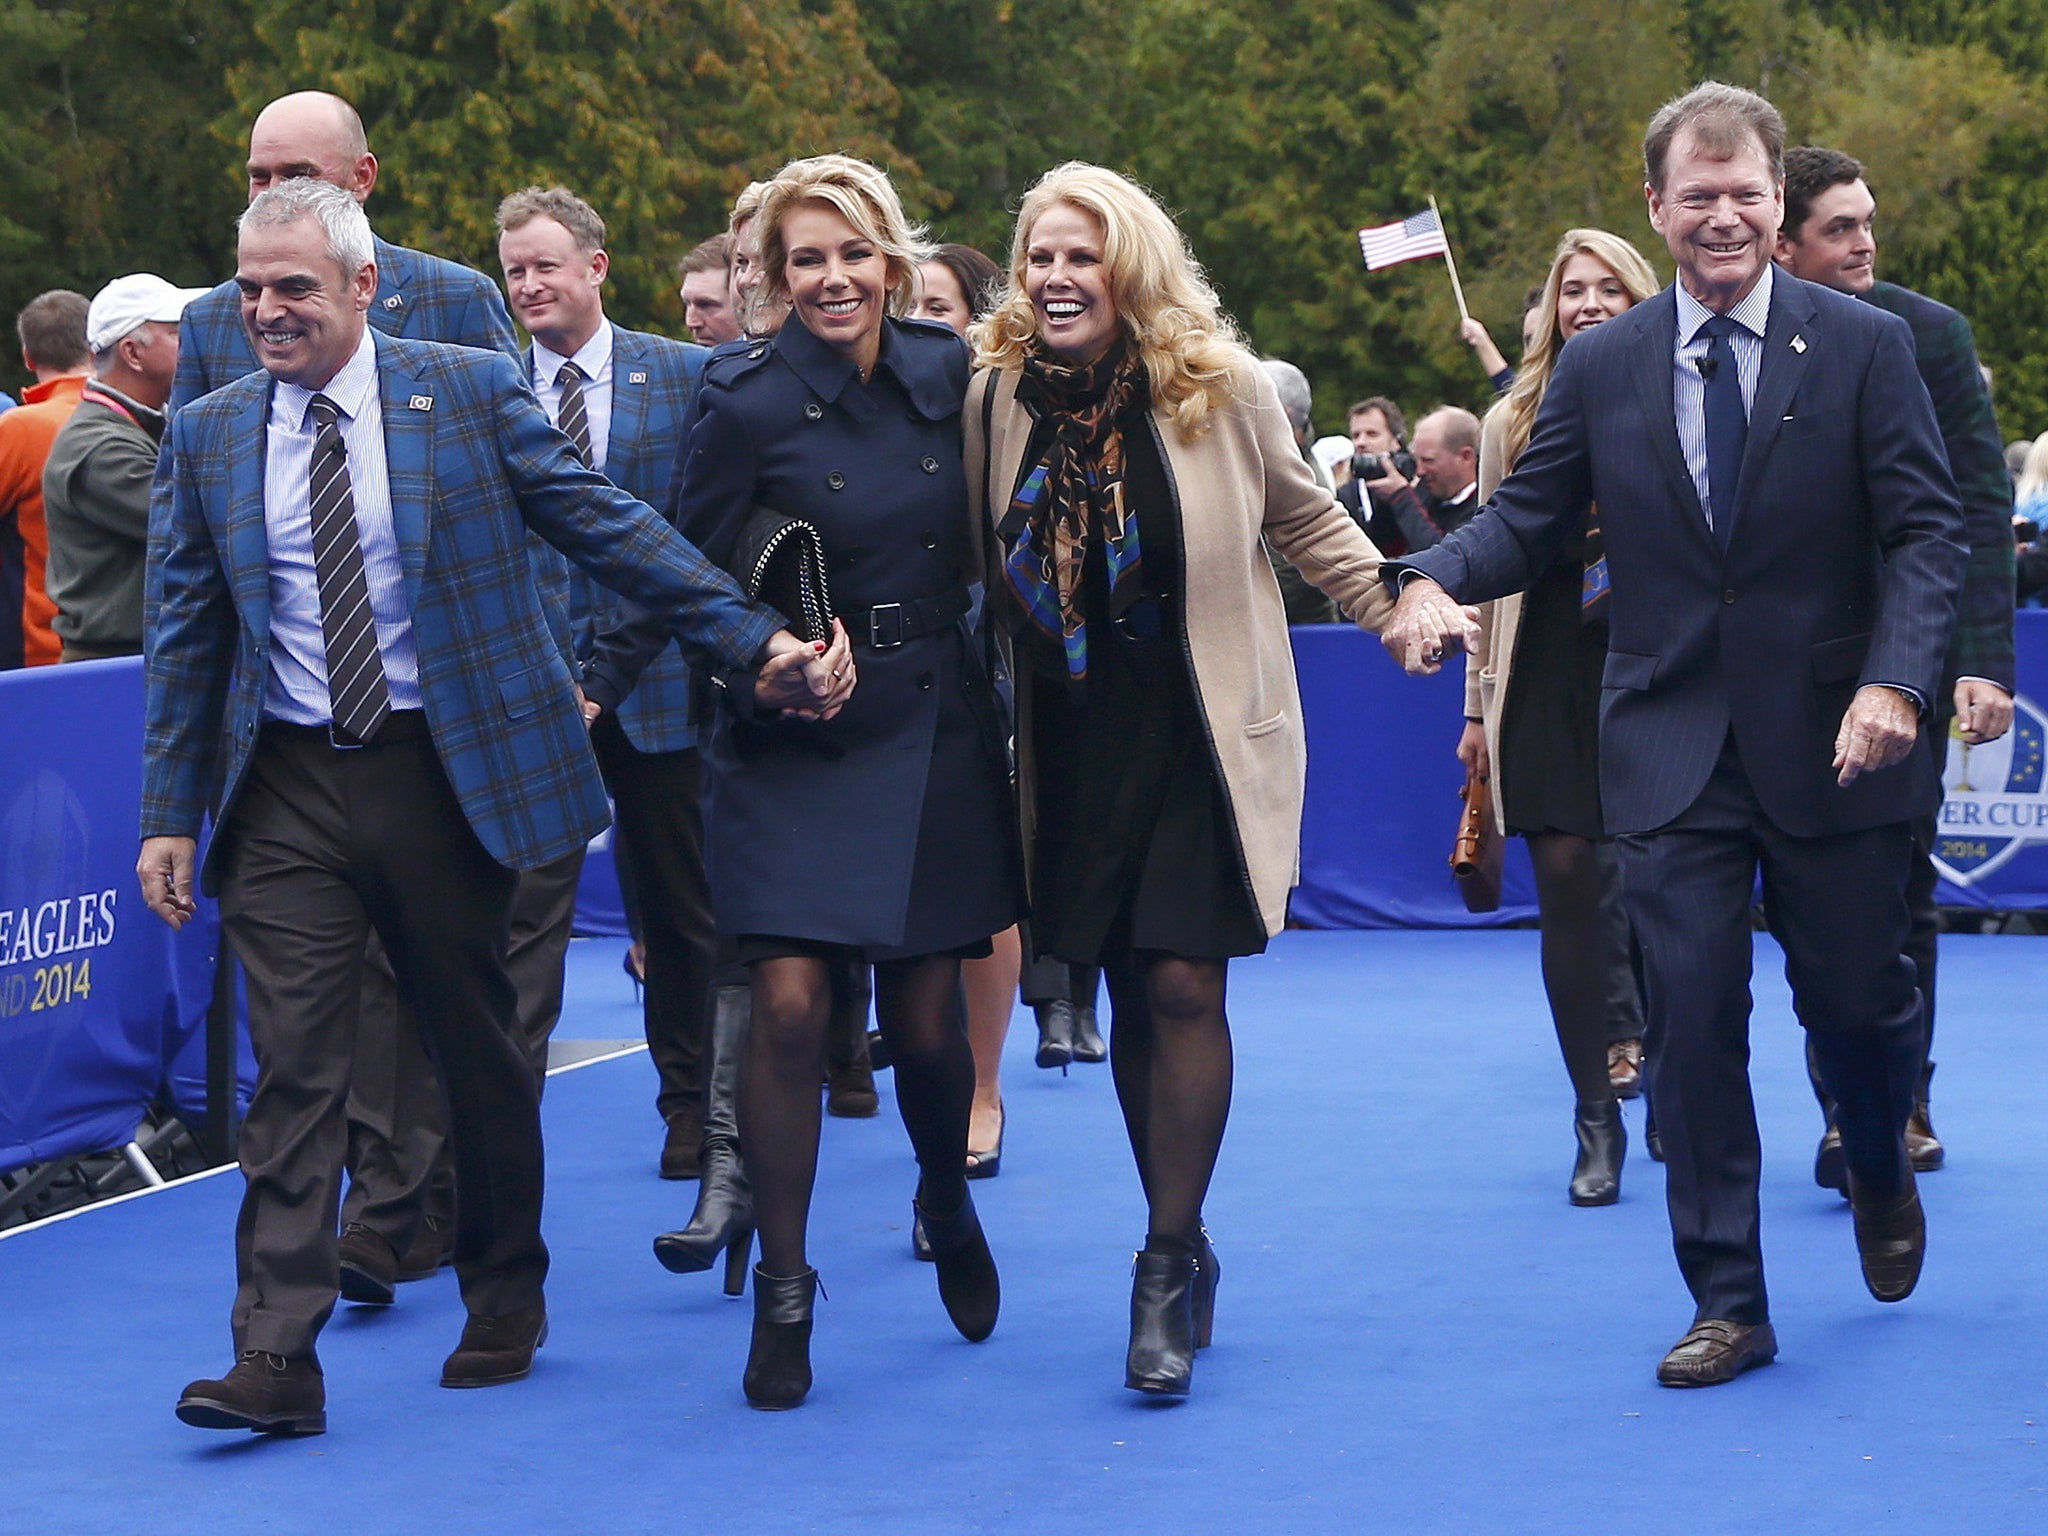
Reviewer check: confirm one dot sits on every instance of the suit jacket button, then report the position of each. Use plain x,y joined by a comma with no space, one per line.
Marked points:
813,411
924,681
1727,597
836,480
931,540
931,465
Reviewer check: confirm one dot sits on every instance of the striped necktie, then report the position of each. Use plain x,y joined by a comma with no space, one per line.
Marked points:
358,697
571,417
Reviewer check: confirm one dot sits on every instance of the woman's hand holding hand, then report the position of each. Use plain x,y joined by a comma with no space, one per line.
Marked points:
806,681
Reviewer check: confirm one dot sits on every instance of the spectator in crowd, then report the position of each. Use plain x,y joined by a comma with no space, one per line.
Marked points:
1532,319
52,331
1532,722
1829,236
955,287
919,875
2016,457
622,396
403,737
398,1219
744,252
2030,512
1125,469
1498,372
706,274
1446,453
97,480
1305,604
1395,520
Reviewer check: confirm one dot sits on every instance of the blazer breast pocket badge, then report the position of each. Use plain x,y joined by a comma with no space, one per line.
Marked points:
421,402
637,376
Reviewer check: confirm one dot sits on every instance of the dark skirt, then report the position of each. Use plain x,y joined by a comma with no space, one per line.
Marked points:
1550,732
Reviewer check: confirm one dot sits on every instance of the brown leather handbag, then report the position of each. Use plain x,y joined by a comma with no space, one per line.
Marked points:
1476,855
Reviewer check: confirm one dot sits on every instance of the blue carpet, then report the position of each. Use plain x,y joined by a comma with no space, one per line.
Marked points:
1416,1334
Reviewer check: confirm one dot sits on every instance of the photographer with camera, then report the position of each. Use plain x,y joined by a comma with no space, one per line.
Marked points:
1439,479
1378,494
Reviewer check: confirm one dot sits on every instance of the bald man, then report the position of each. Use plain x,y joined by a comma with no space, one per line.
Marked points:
398,1219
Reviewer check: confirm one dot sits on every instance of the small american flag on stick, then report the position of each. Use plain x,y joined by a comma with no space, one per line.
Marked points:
1418,235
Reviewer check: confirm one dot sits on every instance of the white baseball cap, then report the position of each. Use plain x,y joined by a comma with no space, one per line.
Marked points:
130,301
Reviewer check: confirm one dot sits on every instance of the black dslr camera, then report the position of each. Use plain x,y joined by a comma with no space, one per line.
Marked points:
1373,466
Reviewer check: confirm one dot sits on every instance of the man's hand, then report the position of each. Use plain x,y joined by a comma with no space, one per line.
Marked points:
590,707
1472,750
165,869
1983,710
1426,626
1389,484
1879,730
806,681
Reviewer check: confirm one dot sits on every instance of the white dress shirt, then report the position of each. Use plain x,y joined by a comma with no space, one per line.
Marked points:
296,689
1689,390
594,357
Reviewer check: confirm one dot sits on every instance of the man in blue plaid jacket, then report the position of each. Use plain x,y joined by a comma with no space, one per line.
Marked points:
348,664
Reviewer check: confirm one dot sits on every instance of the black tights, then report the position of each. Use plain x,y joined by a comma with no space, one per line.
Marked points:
917,1004
1169,1051
1576,964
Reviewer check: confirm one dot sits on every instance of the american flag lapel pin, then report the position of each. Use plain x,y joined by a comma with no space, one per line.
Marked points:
1799,344
421,402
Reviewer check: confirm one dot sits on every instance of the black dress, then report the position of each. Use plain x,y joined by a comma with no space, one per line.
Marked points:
1135,848
1550,730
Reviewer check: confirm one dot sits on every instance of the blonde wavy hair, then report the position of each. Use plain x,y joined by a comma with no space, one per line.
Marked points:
1191,351
859,193
1532,378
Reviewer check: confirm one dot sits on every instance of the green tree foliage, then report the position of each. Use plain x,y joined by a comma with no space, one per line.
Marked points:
1273,128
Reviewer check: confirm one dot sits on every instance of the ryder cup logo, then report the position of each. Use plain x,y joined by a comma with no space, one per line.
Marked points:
1997,802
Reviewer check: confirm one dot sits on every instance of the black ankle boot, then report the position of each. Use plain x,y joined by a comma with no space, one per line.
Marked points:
1162,1353
779,1363
1208,1274
724,1216
968,1283
1603,1142
1055,1033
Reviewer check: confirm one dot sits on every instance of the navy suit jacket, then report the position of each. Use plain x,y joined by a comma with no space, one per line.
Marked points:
1842,566
652,381
474,465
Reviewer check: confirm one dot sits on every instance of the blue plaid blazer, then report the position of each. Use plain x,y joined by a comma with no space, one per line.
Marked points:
418,296
474,464
652,382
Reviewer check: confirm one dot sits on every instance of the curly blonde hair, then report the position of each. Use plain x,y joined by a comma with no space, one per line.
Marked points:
1191,351
859,193
1532,378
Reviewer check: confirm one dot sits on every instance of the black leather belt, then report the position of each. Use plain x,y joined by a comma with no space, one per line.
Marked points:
886,626
399,725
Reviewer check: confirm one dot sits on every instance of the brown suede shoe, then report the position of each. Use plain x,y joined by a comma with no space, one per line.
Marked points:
1923,1148
369,1267
431,1247
1716,1351
1625,1068
264,1392
495,1350
1891,1239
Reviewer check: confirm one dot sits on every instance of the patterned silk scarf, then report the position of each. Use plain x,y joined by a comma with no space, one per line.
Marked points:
1080,471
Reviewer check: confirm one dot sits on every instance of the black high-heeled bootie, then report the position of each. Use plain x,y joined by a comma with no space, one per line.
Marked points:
1603,1143
1208,1275
1162,1353
779,1361
724,1215
968,1283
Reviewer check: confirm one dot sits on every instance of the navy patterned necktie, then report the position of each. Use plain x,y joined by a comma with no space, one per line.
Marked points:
1727,424
358,696
572,418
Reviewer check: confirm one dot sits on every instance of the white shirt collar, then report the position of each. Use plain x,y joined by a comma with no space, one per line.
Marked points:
1752,313
348,389
593,357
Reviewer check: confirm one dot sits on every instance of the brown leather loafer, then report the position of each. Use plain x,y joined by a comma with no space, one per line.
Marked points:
1891,1239
369,1267
264,1392
1923,1148
1716,1351
495,1350
1625,1068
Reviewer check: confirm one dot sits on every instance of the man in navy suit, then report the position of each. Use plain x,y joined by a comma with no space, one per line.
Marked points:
1830,238
621,396
1785,548
350,666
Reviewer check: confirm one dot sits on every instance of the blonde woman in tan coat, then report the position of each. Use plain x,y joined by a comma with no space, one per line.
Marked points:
1127,453
1532,708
